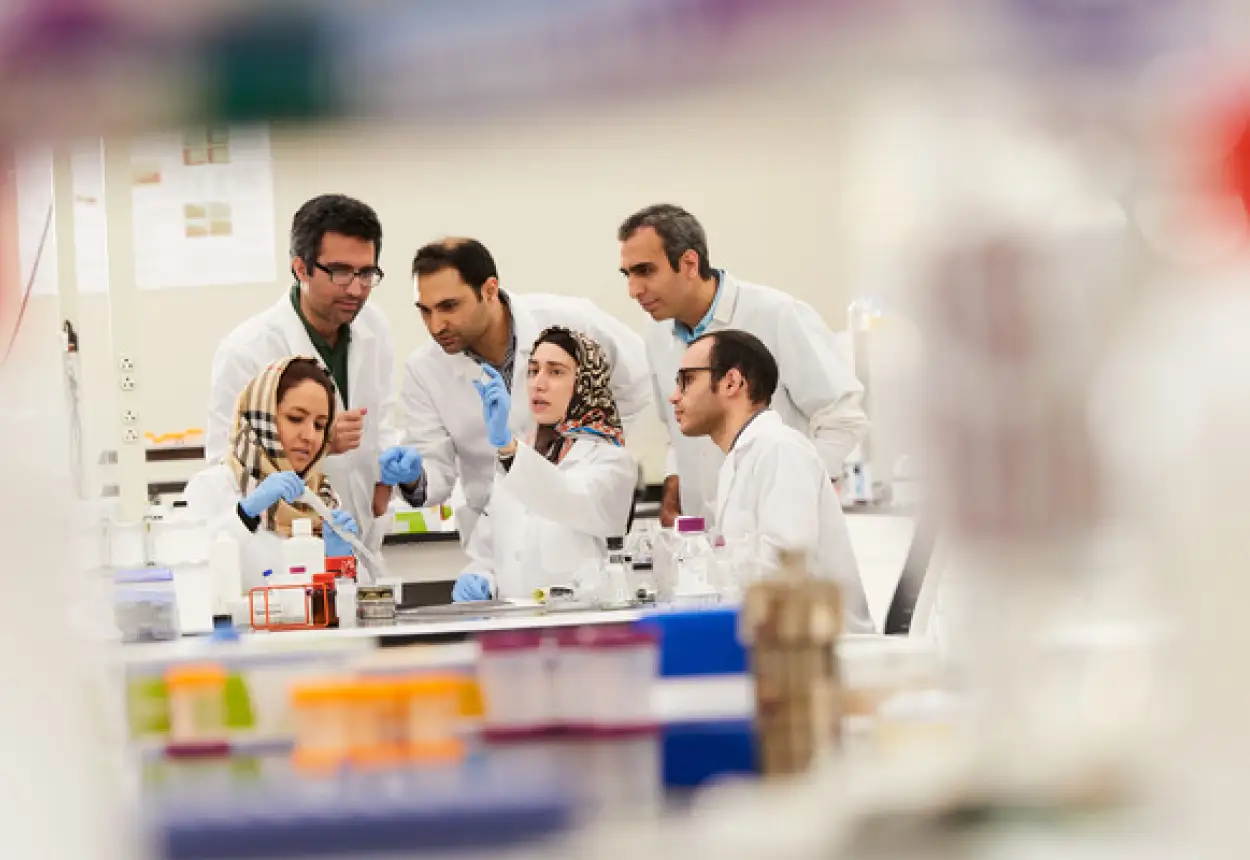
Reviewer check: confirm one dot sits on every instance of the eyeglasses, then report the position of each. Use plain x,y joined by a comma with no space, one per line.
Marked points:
342,276
685,376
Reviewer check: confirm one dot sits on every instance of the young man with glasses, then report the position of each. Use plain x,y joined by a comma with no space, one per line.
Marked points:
772,487
335,245
664,259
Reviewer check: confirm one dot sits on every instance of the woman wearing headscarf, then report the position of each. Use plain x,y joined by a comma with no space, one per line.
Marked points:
280,435
560,496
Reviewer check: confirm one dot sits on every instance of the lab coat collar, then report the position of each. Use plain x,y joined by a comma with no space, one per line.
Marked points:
525,330
726,301
300,343
717,316
760,425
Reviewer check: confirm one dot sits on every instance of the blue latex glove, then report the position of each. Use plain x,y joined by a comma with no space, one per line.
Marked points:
470,586
336,547
287,486
400,465
496,404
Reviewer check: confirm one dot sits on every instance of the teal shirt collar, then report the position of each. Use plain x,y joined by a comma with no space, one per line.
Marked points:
687,335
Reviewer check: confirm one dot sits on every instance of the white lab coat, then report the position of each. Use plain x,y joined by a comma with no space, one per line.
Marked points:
278,333
547,524
774,487
441,411
213,496
817,395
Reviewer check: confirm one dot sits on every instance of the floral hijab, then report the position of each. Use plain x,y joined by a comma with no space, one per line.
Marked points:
592,410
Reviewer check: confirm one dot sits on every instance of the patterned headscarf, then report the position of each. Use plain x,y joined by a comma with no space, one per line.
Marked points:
592,410
255,452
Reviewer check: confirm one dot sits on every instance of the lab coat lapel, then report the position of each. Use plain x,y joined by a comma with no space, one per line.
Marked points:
737,455
296,336
358,353
526,329
726,303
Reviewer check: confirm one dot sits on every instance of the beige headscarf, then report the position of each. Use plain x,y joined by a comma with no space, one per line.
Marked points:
255,452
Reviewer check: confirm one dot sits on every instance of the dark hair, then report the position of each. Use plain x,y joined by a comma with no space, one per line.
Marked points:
678,230
302,370
562,338
333,213
734,348
468,257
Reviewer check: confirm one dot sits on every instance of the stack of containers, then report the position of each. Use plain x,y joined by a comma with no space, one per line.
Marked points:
581,697
377,722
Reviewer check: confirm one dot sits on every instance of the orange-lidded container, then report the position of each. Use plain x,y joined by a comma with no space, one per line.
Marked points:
197,706
377,731
322,715
433,705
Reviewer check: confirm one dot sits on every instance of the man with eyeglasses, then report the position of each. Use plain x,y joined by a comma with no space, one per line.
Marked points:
772,487
335,244
664,258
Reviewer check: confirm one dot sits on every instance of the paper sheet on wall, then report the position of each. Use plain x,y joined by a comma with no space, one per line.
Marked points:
203,207
203,211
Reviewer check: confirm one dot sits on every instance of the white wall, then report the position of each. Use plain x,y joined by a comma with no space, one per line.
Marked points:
758,165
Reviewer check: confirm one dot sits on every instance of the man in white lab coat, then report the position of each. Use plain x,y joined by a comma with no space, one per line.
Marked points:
473,323
335,242
664,258
773,485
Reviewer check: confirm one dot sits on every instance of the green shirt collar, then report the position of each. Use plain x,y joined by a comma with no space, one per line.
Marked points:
334,357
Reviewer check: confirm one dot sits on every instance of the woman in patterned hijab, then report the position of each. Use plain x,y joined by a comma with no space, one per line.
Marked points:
274,433
557,501
280,436
592,408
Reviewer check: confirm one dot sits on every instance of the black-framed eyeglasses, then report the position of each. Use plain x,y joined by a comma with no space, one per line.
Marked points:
342,276
685,375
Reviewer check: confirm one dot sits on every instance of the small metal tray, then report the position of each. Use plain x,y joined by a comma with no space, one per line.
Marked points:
469,609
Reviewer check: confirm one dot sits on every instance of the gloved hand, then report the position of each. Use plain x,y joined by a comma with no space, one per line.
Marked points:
400,465
337,547
470,586
496,404
287,486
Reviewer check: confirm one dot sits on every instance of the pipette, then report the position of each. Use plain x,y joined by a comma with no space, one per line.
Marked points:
373,561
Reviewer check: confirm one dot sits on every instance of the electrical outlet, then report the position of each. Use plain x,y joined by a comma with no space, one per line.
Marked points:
131,436
129,417
128,383
126,364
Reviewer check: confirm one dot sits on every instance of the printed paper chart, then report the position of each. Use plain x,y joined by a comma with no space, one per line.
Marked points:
203,208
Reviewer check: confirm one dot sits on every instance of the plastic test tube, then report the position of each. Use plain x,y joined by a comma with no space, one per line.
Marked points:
197,716
322,718
378,729
515,683
432,707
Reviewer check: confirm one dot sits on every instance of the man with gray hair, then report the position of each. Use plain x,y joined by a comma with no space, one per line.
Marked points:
664,259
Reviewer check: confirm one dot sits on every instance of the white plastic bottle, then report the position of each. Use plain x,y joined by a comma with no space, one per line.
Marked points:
226,573
695,563
303,555
615,582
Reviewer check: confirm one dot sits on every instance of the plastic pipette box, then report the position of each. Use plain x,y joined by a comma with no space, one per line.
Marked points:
145,604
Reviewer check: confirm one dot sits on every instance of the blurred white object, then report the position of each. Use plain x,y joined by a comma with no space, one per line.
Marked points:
694,564
60,732
176,537
227,573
